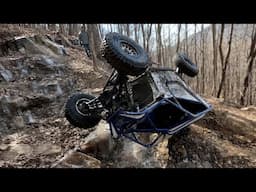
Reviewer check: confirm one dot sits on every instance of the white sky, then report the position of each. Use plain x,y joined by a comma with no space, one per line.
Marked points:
173,28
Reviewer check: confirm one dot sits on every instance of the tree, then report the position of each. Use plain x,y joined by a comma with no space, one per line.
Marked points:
250,60
186,39
52,27
70,29
226,62
159,43
215,52
178,41
136,29
91,33
100,30
128,30
61,28
203,58
146,34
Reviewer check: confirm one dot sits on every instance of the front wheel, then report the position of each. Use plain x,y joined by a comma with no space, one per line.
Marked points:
78,112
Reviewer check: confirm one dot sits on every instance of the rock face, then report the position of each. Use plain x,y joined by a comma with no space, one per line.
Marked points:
74,159
99,142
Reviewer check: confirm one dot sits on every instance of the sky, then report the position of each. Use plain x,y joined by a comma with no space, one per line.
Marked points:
173,28
165,29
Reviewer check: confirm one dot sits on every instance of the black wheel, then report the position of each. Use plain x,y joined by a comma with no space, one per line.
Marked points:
124,54
185,65
78,113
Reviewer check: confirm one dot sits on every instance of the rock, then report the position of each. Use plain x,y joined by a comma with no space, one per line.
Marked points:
131,154
74,159
22,50
6,140
182,151
11,104
188,164
21,148
50,87
30,118
249,108
4,147
37,100
18,122
99,142
206,164
3,126
6,74
56,48
47,149
2,163
84,133
195,157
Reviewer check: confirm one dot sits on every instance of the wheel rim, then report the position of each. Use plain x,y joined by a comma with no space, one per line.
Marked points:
127,48
82,107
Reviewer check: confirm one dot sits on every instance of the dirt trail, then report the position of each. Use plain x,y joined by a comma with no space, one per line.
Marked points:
34,86
218,140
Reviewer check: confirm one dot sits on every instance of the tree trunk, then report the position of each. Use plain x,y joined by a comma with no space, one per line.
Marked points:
96,38
128,30
224,67
91,33
70,29
159,43
186,39
52,27
203,60
143,36
248,77
149,30
195,56
100,31
61,28
136,33
214,59
178,42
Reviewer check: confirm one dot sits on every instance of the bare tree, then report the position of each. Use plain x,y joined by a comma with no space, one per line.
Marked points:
149,31
250,60
136,28
215,52
128,30
203,59
224,64
178,42
91,32
61,28
143,36
159,43
52,27
70,29
186,39
100,31
146,34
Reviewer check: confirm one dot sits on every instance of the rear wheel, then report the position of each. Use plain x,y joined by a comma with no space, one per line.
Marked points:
185,65
78,112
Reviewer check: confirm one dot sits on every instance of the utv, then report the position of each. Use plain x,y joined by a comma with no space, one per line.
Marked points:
139,98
